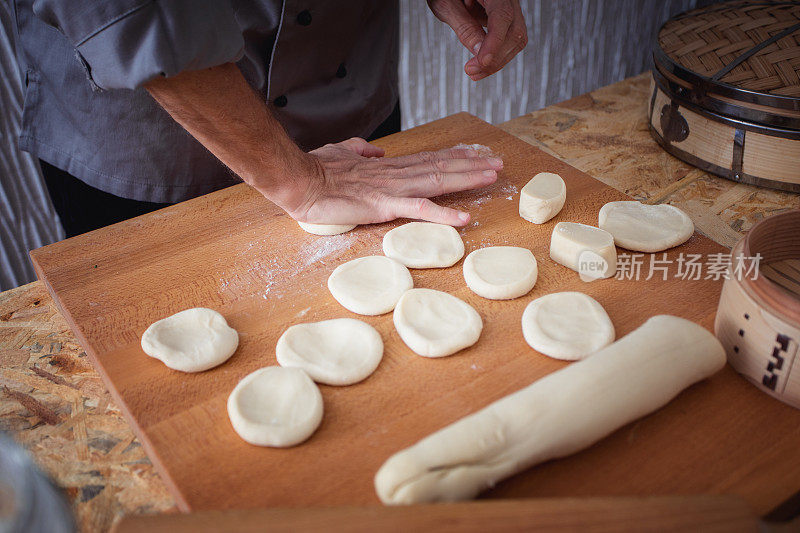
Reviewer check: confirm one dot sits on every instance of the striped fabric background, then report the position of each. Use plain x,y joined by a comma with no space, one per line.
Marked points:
27,219
574,46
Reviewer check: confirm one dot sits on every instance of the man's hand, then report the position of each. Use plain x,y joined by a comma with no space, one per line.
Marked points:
355,184
505,37
345,183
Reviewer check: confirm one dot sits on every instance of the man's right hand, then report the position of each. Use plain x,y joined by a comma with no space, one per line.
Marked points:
345,183
354,184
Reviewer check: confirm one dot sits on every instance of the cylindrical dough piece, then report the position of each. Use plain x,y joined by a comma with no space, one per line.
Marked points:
192,340
542,197
500,272
341,351
585,249
556,416
326,229
369,285
275,406
435,324
567,325
424,245
645,228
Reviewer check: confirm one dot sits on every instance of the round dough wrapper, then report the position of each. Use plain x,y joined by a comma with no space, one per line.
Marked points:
435,324
369,285
341,351
192,340
645,228
500,272
326,229
424,245
542,197
567,325
275,406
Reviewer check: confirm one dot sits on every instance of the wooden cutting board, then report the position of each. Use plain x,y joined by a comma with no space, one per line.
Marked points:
723,514
235,252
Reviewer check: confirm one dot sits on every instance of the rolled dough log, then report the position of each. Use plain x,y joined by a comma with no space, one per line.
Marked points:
435,324
369,285
542,197
645,228
567,325
424,245
275,406
191,341
326,229
500,272
585,249
556,416
341,351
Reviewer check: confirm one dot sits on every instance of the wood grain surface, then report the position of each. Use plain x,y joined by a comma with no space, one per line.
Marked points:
235,252
726,514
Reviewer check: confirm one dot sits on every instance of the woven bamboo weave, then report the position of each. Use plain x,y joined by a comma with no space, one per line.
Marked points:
708,40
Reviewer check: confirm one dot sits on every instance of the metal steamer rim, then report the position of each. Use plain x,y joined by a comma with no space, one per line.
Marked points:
758,318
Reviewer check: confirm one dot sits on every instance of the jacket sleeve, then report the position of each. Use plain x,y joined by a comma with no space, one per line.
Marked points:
125,43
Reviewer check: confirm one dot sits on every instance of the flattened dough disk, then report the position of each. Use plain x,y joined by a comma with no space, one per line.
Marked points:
192,340
500,272
542,197
645,228
275,406
424,245
326,229
567,325
556,416
435,324
369,285
341,351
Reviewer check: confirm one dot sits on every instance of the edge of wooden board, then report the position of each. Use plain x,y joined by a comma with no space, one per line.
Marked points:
152,456
709,513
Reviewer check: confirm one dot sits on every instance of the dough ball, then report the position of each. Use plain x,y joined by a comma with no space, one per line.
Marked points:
500,272
275,406
424,245
191,341
434,323
585,249
542,197
326,229
342,351
369,285
645,228
567,325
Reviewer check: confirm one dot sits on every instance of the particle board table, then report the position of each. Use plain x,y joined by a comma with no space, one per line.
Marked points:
53,402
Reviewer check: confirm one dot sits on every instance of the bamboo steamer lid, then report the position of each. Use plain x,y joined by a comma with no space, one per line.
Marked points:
725,95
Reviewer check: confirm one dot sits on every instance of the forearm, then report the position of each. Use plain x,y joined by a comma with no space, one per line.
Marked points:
349,182
219,109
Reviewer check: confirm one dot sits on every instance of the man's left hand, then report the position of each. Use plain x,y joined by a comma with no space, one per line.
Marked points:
505,36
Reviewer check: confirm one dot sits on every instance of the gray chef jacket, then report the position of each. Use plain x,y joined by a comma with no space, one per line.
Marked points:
328,68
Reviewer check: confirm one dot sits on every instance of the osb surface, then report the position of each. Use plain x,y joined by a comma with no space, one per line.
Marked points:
53,403
67,420
605,134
